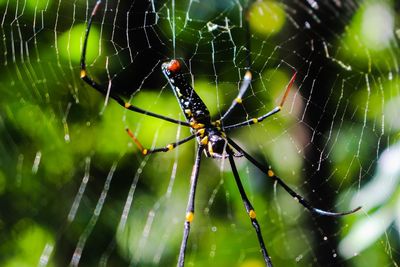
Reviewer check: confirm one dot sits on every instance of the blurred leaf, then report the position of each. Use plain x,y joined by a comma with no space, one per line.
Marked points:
365,232
31,241
71,41
379,198
369,35
266,17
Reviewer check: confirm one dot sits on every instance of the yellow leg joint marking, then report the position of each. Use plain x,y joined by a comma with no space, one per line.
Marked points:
170,146
201,132
238,100
217,123
127,105
144,151
197,125
279,107
271,173
252,214
204,141
255,120
83,74
189,217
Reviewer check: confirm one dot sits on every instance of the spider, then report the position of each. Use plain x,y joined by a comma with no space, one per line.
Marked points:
210,136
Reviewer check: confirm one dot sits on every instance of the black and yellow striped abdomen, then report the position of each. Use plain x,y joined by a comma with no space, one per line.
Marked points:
191,104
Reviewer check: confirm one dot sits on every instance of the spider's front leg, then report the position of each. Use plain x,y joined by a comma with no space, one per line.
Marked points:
108,91
268,114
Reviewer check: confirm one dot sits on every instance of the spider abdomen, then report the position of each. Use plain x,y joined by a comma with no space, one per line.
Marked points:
192,106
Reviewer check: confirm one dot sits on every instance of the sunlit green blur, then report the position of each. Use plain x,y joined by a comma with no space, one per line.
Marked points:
61,139
266,17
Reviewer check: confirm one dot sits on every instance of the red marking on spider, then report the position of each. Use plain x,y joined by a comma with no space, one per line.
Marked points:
174,66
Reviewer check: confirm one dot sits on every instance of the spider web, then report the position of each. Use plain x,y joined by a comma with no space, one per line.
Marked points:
76,190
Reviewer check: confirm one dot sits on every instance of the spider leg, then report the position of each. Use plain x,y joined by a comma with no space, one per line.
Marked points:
108,92
268,114
247,77
238,100
296,196
250,211
190,206
167,148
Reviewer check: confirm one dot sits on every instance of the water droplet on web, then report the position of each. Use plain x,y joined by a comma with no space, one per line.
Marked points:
313,4
299,258
214,228
211,26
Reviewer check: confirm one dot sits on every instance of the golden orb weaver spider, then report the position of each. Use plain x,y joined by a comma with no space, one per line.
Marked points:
210,136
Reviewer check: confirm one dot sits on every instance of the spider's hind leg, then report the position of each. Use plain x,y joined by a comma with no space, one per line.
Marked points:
250,211
293,193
